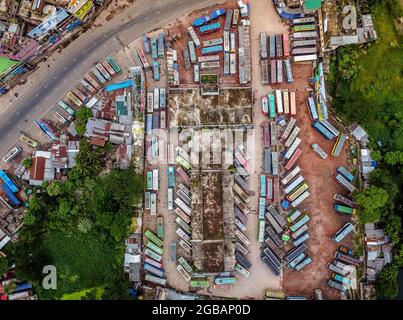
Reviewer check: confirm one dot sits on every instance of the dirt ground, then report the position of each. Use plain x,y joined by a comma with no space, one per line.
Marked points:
324,220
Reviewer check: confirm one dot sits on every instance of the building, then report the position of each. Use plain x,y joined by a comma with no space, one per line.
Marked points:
73,147
8,9
42,169
132,262
360,134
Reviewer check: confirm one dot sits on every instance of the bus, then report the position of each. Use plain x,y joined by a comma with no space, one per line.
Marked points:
313,112
171,176
154,146
273,258
319,150
59,117
156,271
299,231
338,145
155,179
279,101
297,260
87,77
182,173
240,225
298,191
194,36
102,70
182,215
294,215
185,189
343,232
32,143
184,163
183,196
113,64
66,108
342,170
152,237
149,180
74,99
183,225
291,175
84,83
241,248
196,73
185,208
304,27
155,279
153,255
288,128
170,199
79,95
232,37
300,199
293,103
263,187
183,235
199,283
153,204
183,272
330,127
344,200
225,280
154,248
299,223
156,70
293,159
336,285
292,148
261,230
292,136
344,209
318,126
185,264
272,108
147,200
286,102
242,237
344,183
303,264
303,238
293,253
262,207
185,245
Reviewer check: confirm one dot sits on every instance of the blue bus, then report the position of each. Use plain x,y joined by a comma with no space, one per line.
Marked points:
343,171
171,176
10,183
322,130
156,70
263,186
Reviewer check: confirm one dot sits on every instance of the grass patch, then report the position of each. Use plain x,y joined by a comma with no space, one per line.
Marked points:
81,260
79,294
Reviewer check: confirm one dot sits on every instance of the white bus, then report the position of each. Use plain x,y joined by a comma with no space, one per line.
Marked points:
183,272
12,154
170,199
153,204
155,179
185,208
156,98
291,175
279,102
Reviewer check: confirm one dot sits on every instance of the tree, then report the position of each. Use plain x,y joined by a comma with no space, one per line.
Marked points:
376,155
394,157
371,200
84,225
386,284
3,265
27,163
55,188
82,116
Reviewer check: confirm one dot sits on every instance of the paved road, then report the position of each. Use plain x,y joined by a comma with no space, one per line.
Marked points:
79,57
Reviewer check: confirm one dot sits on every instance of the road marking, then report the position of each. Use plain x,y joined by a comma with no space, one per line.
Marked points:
104,46
18,113
46,85
65,68
75,59
8,122
37,94
18,125
55,89
84,51
55,78
9,135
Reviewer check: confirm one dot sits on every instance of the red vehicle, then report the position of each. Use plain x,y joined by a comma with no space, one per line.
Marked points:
286,45
293,159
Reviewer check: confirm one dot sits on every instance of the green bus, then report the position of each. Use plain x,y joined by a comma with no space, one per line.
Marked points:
344,209
199,283
149,180
184,163
152,237
272,106
113,64
155,248
304,27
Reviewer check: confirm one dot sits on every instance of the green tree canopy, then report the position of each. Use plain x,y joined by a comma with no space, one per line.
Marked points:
386,284
371,200
394,157
3,265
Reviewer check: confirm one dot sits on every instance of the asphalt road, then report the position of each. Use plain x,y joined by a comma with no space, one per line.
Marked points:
78,58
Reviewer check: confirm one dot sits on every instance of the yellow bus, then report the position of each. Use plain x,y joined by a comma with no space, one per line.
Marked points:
74,99
29,141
